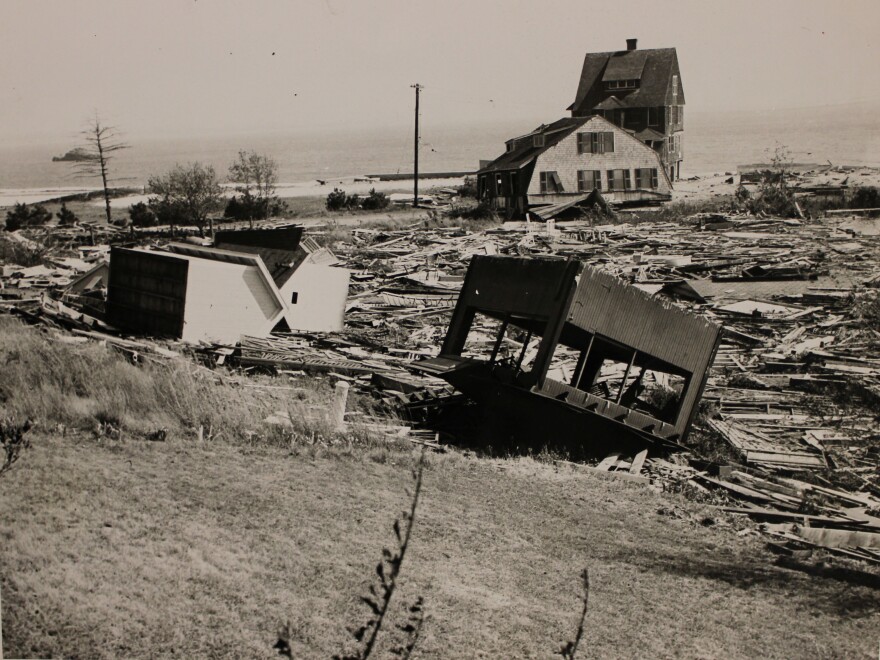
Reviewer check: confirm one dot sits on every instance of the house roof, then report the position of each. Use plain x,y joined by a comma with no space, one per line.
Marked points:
525,152
649,134
279,248
653,68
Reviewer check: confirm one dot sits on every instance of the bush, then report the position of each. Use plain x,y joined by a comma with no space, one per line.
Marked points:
375,201
468,188
65,216
248,207
23,216
142,215
866,197
338,200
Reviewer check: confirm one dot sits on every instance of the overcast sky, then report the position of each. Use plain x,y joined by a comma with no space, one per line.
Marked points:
205,67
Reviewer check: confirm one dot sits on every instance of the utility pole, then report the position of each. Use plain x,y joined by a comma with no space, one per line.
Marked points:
418,88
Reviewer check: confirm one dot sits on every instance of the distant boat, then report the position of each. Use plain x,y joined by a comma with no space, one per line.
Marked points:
77,154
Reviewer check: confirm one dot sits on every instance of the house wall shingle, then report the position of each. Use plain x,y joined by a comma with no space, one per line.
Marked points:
563,158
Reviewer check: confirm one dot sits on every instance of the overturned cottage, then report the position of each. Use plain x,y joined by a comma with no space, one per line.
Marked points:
250,282
578,357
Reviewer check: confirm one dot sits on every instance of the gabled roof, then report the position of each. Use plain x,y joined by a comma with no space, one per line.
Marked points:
525,152
653,68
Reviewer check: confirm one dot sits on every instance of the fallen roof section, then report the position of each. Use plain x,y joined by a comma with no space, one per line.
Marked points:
641,363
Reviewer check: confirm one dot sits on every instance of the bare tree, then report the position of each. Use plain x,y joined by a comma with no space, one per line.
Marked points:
190,191
101,142
255,175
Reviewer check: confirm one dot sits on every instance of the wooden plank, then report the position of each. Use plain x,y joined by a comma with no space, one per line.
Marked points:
638,462
609,461
840,538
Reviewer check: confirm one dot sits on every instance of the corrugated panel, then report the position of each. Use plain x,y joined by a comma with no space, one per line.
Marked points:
606,306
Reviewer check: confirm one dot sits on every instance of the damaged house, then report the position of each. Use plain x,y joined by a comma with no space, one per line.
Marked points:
639,91
559,165
250,282
576,357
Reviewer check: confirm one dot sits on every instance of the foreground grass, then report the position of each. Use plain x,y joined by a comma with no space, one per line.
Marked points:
139,549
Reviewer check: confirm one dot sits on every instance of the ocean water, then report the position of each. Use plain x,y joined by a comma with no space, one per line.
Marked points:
713,142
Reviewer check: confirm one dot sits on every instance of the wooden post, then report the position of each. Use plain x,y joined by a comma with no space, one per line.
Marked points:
339,402
418,88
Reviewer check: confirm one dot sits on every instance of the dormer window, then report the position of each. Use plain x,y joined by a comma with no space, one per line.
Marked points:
538,140
511,145
622,84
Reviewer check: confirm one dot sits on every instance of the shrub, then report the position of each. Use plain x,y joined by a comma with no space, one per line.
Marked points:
482,211
375,201
468,188
24,216
865,197
337,200
248,207
142,215
66,216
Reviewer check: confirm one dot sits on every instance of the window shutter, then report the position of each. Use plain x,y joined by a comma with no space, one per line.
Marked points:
654,181
638,178
581,183
610,179
609,142
594,143
627,183
597,179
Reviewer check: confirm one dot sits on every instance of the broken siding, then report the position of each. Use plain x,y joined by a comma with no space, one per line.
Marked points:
629,154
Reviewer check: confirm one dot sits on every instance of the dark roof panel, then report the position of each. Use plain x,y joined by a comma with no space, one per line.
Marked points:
659,65
627,65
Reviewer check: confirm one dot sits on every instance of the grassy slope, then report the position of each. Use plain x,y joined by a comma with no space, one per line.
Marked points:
113,549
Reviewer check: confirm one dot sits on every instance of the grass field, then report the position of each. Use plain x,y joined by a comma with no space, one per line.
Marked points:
139,549
115,545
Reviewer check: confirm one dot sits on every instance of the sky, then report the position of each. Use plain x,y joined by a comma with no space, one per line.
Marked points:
170,68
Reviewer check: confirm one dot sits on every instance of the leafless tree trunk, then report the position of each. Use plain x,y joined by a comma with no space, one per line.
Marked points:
101,142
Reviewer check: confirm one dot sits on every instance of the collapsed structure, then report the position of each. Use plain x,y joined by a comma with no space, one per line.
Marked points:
250,282
641,363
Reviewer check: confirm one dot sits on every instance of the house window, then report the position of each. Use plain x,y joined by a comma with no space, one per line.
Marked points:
294,297
511,145
550,183
653,116
512,182
597,179
595,143
538,141
499,185
582,182
622,84
646,178
675,88
655,183
619,180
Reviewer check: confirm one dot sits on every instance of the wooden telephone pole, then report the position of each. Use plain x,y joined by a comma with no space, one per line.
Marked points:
418,88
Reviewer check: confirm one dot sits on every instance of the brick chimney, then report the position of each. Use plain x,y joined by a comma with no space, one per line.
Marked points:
631,44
